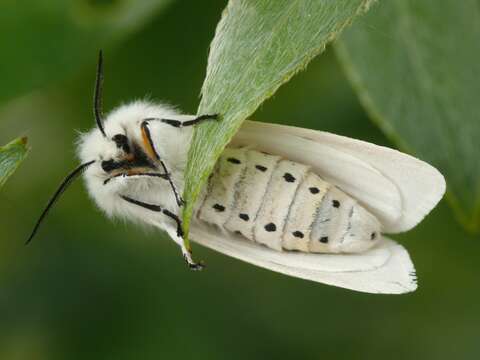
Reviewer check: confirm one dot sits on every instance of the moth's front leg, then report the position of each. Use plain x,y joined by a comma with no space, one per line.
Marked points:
175,234
152,152
132,174
186,253
180,124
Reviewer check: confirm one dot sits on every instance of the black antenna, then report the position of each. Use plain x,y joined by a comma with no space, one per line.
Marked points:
63,186
98,94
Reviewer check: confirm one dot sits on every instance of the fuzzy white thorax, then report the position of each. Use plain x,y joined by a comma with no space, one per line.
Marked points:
171,144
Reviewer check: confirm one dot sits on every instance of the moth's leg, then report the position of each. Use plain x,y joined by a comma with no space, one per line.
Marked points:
150,147
180,124
186,253
165,176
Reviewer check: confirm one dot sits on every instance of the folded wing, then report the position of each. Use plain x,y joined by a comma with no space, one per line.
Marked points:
385,269
398,189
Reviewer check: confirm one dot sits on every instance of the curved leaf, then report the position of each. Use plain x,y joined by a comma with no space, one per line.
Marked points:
258,46
11,155
415,67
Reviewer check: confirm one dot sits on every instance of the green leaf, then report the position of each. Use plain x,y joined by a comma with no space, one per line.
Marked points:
258,46
415,66
11,155
45,40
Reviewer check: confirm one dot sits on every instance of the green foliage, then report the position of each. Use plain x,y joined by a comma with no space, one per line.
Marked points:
258,46
11,155
45,40
415,67
91,288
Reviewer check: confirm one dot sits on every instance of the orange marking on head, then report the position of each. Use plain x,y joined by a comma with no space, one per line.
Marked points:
137,171
147,145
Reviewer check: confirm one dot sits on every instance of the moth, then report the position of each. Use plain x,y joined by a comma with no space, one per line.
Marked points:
301,202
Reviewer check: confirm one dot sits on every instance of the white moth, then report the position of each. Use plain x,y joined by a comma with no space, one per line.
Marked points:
301,202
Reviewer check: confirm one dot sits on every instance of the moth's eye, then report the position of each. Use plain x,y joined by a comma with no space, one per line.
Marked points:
122,142
108,165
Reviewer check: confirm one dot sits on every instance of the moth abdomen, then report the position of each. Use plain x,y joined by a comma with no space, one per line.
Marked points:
284,205
274,212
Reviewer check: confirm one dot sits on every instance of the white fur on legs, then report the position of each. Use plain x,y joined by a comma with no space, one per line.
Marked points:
186,253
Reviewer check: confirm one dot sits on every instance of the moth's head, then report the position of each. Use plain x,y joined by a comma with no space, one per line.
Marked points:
113,148
118,152
119,147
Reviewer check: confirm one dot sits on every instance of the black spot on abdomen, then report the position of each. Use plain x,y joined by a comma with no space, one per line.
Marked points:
234,160
298,234
289,177
324,239
314,190
271,227
244,217
218,207
336,203
261,168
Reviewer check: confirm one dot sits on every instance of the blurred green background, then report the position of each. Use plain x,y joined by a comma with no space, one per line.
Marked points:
90,288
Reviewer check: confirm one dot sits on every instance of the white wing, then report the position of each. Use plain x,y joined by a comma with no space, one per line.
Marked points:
385,269
398,189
